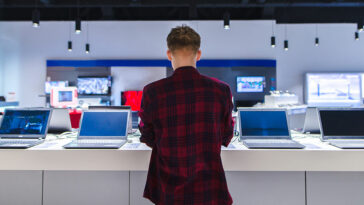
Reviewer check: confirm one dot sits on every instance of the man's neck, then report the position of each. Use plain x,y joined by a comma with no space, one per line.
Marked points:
178,65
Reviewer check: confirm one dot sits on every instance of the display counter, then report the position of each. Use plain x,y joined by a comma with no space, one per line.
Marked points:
134,156
49,174
137,158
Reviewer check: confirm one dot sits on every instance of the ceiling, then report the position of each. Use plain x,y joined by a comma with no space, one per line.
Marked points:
284,11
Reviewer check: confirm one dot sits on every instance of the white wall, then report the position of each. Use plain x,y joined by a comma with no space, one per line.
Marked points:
133,78
338,51
26,49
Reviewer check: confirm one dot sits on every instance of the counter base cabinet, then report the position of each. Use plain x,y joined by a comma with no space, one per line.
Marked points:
126,188
21,187
267,188
258,188
335,188
137,184
86,187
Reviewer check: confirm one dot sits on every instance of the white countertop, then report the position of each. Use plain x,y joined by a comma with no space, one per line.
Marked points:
317,156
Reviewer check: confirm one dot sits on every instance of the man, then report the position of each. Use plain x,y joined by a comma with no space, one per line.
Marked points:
185,119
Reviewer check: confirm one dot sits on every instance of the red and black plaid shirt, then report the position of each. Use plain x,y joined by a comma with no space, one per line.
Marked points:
186,118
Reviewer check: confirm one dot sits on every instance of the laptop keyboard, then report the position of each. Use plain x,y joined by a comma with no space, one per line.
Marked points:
265,141
98,141
349,143
18,141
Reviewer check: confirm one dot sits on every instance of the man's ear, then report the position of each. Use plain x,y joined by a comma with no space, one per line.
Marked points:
169,55
198,56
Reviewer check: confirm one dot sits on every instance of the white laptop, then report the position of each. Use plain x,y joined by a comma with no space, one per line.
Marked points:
312,122
262,128
60,121
102,129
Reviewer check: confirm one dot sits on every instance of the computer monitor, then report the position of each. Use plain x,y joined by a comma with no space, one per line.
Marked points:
342,123
132,98
250,84
94,85
333,89
64,97
106,124
263,124
25,123
54,84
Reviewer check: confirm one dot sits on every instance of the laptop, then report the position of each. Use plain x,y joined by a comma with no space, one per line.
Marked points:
24,128
266,129
122,107
342,128
60,121
135,119
312,123
101,129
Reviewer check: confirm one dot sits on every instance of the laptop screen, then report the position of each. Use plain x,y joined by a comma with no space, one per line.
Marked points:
342,123
104,124
263,124
25,122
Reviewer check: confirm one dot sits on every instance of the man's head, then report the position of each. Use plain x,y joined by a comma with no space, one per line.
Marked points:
183,46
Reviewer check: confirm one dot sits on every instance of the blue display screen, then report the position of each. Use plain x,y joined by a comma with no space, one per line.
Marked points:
65,96
264,124
112,125
250,84
25,122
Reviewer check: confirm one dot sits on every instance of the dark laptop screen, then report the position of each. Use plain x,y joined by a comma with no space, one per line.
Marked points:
342,123
110,125
25,122
264,124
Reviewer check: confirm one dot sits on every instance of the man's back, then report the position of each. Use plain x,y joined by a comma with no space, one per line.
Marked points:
185,119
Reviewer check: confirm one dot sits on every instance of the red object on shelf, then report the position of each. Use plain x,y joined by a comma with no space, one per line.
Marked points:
133,99
75,116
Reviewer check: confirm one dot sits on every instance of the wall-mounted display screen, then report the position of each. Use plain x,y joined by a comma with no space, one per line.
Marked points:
54,84
94,85
250,84
333,89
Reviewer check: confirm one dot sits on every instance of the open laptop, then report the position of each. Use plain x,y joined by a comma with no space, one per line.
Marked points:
122,107
342,128
312,122
266,129
60,121
102,129
24,128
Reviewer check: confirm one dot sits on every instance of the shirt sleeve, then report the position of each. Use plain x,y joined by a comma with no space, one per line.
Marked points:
146,125
228,122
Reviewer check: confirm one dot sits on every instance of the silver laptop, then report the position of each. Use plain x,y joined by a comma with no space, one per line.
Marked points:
342,128
266,129
60,121
312,122
102,129
24,128
122,107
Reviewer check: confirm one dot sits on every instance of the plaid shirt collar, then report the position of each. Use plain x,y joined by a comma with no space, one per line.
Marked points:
186,70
